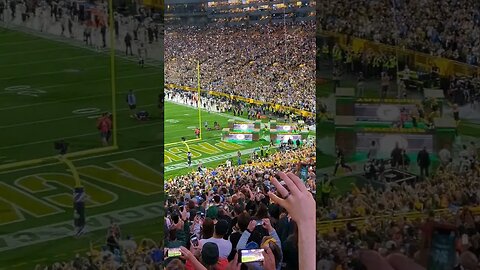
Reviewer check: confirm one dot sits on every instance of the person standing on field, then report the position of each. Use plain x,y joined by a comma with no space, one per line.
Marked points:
104,124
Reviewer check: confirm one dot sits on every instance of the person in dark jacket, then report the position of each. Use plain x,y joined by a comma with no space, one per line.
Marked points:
396,156
423,161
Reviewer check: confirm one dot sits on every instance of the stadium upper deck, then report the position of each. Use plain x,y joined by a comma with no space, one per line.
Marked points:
236,12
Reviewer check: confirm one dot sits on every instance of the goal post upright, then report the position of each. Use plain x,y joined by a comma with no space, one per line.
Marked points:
112,72
198,101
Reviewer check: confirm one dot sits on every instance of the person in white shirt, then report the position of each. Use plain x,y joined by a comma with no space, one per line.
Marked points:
224,246
445,156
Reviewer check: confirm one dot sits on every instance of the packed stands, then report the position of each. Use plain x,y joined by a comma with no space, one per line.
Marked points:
448,28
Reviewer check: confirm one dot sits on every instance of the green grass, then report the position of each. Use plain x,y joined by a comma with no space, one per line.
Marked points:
69,83
324,89
66,78
180,121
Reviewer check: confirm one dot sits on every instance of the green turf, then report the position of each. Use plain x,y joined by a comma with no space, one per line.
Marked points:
71,78
180,121
324,89
66,78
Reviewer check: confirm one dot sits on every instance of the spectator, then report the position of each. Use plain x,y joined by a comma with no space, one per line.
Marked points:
423,161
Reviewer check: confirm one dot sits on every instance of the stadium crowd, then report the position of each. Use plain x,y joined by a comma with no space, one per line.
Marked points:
226,208
392,225
400,242
454,184
118,252
446,28
238,61
87,22
236,107
231,208
368,65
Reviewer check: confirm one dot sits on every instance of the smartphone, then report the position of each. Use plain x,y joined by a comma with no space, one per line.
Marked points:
194,240
259,222
303,172
173,252
250,255
442,248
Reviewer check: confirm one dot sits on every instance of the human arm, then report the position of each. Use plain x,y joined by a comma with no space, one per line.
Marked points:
242,242
301,205
186,254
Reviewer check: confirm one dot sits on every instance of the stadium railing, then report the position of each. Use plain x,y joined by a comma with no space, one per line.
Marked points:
328,225
248,100
418,60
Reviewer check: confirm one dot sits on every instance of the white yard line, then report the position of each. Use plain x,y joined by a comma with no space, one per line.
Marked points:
47,61
217,113
81,45
195,162
75,136
67,117
71,99
54,72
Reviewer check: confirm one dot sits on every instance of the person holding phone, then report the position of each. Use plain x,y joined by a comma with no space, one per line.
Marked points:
208,258
265,223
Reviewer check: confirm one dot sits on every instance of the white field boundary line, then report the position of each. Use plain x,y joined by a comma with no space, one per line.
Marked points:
210,112
97,80
75,136
125,109
68,117
81,70
195,162
79,44
70,99
46,61
103,155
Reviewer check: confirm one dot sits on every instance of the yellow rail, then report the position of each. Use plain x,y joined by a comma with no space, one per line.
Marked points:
248,100
415,59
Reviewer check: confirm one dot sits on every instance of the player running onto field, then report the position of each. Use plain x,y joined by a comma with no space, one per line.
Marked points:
131,101
189,159
142,55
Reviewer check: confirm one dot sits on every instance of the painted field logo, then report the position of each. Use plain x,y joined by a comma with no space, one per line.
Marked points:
24,90
47,194
179,153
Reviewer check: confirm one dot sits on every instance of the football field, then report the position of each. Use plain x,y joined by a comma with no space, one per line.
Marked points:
57,91
181,121
54,89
